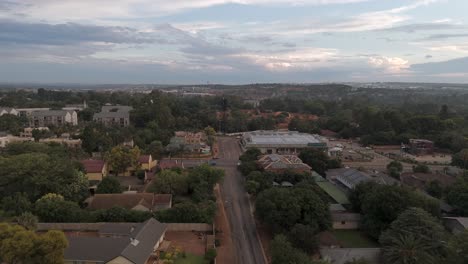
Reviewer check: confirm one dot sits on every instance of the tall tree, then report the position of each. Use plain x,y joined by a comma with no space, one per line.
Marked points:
121,158
415,237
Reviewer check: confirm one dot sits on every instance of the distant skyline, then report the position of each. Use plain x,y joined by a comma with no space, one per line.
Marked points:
233,41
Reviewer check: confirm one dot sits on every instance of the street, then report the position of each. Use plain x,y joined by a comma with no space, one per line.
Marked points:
248,249
247,246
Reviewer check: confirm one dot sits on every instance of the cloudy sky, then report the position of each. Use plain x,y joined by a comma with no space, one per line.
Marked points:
233,41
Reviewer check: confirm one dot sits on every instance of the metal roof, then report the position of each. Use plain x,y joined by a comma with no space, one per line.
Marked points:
281,138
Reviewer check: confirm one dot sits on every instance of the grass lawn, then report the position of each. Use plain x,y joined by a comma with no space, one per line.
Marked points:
354,239
191,259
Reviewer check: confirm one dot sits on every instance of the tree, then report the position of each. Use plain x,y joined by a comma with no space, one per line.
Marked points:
304,237
315,158
36,174
170,182
210,135
421,168
282,252
27,220
461,159
16,204
109,184
281,209
53,208
458,249
121,158
18,245
435,189
414,237
210,255
457,195
202,180
156,149
381,205
394,169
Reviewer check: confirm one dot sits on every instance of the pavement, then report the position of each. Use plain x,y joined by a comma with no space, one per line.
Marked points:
247,246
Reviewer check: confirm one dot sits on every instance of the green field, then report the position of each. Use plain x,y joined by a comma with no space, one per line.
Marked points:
191,259
354,239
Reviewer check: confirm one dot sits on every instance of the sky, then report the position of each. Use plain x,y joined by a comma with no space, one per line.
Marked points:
233,41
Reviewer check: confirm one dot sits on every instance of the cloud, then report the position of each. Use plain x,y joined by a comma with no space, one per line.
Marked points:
14,32
392,65
446,36
59,10
411,28
444,67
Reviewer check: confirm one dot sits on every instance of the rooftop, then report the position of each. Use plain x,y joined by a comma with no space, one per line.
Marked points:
135,243
51,113
129,200
93,166
334,192
279,138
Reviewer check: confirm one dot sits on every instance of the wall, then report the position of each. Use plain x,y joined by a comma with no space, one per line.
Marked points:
189,227
200,227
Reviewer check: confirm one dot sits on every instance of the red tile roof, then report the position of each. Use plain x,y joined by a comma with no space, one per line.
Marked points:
168,164
144,159
93,166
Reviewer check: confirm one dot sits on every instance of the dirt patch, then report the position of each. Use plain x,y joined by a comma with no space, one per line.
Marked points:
190,242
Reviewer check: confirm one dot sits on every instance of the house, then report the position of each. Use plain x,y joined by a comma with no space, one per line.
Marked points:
456,225
421,147
345,220
134,201
70,143
167,164
53,118
28,111
350,177
114,115
28,131
281,163
147,162
117,243
95,170
189,142
8,111
7,139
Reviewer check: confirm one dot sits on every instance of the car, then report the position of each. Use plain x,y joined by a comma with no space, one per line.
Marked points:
238,163
212,162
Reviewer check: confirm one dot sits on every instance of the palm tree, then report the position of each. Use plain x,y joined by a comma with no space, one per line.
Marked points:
407,249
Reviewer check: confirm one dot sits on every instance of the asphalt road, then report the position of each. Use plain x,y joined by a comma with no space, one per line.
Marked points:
248,248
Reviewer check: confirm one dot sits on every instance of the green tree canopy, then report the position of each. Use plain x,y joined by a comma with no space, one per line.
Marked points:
283,252
415,237
53,208
172,182
381,205
281,209
36,174
109,184
121,158
18,245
